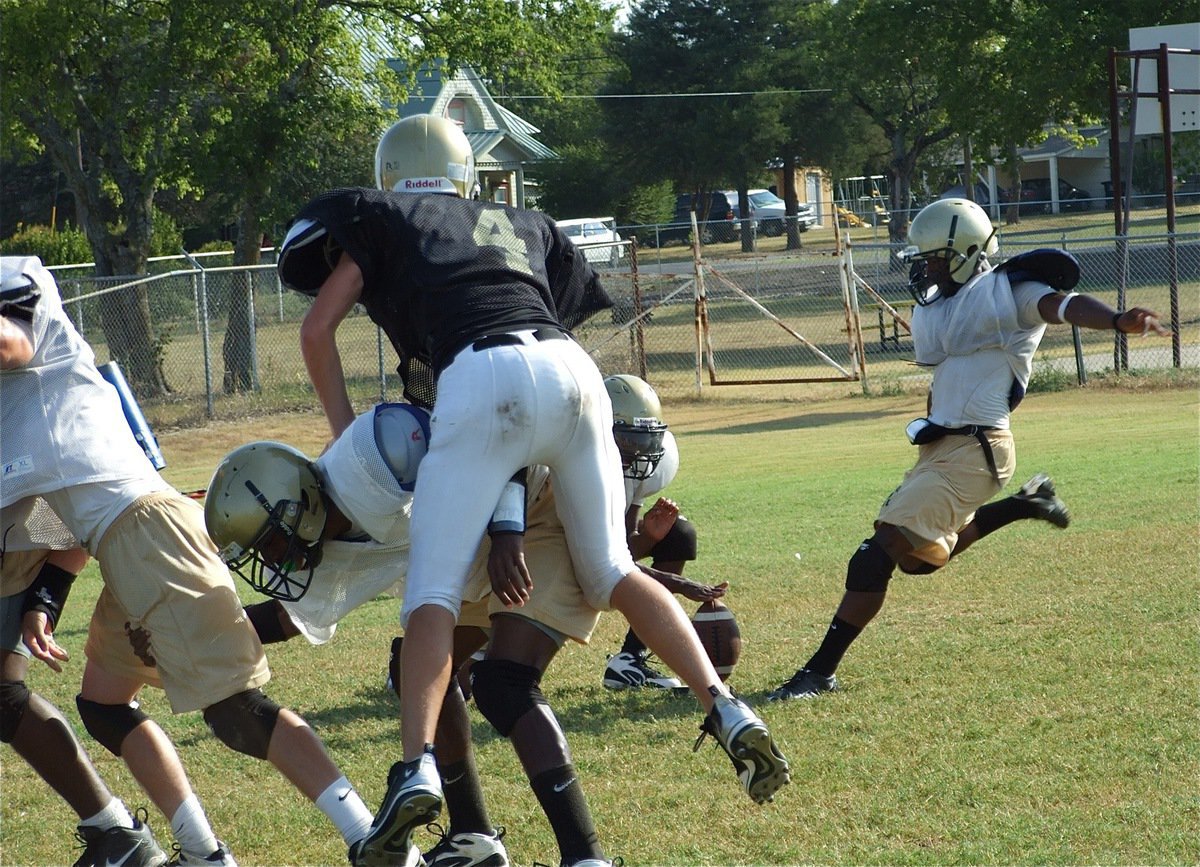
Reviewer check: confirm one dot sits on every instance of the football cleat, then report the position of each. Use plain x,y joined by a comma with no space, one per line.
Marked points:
760,765
1039,491
805,683
414,798
120,847
468,850
222,857
630,671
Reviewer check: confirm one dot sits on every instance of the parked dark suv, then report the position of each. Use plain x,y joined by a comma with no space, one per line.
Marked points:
1035,196
717,225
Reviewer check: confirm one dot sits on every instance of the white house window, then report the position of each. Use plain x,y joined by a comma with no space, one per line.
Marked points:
457,111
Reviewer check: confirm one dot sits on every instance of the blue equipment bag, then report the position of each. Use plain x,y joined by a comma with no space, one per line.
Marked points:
133,414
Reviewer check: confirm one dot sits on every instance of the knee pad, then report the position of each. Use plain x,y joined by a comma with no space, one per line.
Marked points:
14,698
505,691
869,569
264,617
109,723
244,722
922,568
678,544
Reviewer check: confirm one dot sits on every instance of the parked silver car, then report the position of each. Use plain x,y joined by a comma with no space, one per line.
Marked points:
769,211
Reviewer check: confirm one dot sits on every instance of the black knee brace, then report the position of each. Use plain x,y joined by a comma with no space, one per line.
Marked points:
869,569
505,691
679,543
14,698
244,722
264,617
109,723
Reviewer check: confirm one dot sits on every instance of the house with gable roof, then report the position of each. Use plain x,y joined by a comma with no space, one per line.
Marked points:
503,143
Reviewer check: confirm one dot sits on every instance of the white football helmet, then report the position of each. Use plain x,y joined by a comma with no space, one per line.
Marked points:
265,510
957,230
637,424
425,154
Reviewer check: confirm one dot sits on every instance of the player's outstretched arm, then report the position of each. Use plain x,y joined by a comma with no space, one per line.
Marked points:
1088,312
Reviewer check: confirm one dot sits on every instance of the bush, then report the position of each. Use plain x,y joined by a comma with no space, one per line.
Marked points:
67,246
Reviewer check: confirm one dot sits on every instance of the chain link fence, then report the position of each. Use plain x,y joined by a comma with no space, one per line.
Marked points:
688,322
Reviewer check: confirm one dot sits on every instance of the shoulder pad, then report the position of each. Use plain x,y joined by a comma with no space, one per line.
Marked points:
1056,268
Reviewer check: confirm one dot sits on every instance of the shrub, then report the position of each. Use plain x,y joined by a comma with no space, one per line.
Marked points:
67,246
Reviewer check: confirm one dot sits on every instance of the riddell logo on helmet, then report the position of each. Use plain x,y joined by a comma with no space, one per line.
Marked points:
423,183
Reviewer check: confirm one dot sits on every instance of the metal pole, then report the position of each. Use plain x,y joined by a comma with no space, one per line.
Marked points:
204,336
1164,105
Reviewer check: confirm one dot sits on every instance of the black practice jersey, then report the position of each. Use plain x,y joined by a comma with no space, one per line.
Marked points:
440,271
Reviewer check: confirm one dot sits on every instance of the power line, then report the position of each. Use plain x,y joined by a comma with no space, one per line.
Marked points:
668,95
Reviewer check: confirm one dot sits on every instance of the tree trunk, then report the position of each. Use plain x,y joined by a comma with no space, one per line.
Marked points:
1012,215
790,199
968,170
125,317
237,351
746,221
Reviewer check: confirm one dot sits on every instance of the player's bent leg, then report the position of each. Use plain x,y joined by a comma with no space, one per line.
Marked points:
867,576
41,735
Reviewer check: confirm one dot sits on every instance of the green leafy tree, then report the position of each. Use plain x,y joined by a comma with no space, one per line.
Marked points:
110,91
224,97
677,52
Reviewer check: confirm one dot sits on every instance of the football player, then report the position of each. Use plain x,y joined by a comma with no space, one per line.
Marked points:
357,548
169,614
145,749
34,578
650,460
978,327
478,300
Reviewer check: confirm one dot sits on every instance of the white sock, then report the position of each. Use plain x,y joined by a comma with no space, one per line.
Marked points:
114,815
191,829
346,810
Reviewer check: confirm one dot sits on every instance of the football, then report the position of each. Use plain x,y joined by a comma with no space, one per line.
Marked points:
720,636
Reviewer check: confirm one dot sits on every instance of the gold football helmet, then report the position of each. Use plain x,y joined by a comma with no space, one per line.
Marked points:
637,424
265,510
425,154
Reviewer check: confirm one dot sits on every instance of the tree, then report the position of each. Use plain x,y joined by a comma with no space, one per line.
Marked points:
110,91
224,97
823,126
891,58
686,50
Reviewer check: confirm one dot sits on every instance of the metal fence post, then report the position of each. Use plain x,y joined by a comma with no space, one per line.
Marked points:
205,342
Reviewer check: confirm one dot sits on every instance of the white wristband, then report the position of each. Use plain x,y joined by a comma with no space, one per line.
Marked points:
1062,307
509,516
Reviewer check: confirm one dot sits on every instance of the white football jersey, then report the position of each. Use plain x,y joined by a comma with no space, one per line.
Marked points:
981,340
62,426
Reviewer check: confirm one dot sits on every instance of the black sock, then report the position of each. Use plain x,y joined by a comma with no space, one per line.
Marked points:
837,641
633,644
464,799
561,796
991,517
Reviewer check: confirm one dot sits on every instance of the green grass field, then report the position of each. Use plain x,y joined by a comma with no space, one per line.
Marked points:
1033,703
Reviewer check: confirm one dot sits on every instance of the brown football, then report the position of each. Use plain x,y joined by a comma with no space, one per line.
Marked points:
720,636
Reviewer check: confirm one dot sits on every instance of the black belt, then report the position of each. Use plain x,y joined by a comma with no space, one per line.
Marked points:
493,340
930,432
